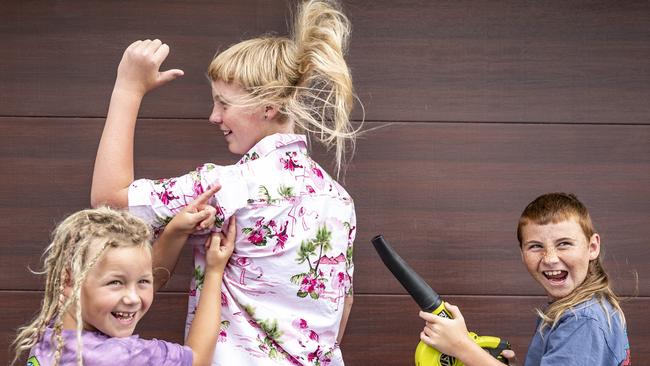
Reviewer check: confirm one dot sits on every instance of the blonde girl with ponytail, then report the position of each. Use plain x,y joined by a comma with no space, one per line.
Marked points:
288,289
99,283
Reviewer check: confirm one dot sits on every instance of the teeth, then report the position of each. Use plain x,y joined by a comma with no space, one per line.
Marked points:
120,314
553,273
226,132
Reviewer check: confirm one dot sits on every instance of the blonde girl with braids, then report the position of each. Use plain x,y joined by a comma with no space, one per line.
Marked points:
100,283
287,290
584,323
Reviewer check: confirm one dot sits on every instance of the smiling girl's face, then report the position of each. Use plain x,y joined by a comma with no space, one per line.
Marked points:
117,292
557,255
242,124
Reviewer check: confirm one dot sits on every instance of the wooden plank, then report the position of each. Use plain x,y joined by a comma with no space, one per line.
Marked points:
383,330
447,196
412,60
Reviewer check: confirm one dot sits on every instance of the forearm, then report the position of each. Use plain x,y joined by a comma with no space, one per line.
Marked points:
113,171
344,319
204,331
166,251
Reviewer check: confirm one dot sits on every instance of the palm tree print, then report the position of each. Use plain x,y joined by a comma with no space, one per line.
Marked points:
284,192
248,157
271,341
312,282
199,276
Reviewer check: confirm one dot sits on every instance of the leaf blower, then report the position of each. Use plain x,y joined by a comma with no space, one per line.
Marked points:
430,301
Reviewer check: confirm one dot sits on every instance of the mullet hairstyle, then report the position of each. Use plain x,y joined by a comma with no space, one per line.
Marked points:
558,207
305,76
66,263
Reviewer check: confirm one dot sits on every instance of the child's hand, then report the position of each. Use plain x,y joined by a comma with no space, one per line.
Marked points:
138,72
196,216
219,247
510,356
448,336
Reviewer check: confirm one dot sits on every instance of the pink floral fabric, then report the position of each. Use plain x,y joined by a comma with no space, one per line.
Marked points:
285,285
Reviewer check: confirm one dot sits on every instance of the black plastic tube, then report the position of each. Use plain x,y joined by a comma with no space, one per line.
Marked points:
420,291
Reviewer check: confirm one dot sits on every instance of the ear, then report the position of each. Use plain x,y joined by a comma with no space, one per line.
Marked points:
270,112
66,280
594,247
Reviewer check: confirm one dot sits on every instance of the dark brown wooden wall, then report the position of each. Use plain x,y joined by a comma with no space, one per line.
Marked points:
483,106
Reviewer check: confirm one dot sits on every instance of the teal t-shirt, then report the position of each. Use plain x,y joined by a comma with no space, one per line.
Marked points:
583,336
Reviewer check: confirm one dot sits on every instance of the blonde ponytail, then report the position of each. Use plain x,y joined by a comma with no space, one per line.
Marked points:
306,76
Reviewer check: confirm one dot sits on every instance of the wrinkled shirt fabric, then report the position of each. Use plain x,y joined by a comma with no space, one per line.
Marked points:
285,285
102,350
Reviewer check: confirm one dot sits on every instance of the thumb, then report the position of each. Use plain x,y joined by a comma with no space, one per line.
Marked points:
169,75
201,214
213,242
454,310
510,356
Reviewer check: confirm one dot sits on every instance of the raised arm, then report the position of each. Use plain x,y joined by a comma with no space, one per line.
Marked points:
137,74
204,330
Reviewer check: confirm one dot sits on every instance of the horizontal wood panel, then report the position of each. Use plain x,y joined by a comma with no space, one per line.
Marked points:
447,196
412,60
383,330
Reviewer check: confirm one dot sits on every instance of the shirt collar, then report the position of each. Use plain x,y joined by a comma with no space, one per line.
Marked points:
273,142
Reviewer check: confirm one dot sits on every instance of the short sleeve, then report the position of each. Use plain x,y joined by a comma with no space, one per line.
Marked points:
127,351
158,201
577,341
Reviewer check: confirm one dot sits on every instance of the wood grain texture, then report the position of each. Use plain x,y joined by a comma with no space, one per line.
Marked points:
480,106
383,330
412,60
447,196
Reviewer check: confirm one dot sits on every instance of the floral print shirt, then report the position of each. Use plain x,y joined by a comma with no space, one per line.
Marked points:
285,284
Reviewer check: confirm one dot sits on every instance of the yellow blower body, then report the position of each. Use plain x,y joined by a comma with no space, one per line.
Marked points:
430,301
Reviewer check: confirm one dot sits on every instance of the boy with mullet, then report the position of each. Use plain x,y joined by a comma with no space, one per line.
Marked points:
583,323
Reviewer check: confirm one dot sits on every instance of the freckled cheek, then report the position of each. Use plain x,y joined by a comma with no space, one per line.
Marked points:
531,261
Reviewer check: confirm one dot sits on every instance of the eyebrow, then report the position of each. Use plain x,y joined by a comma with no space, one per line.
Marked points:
221,99
565,239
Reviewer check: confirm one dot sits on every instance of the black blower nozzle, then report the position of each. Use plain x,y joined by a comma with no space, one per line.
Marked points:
420,291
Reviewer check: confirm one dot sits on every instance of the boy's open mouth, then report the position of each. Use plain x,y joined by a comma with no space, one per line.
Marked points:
555,276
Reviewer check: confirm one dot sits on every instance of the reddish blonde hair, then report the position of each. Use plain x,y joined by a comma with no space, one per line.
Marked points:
553,208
